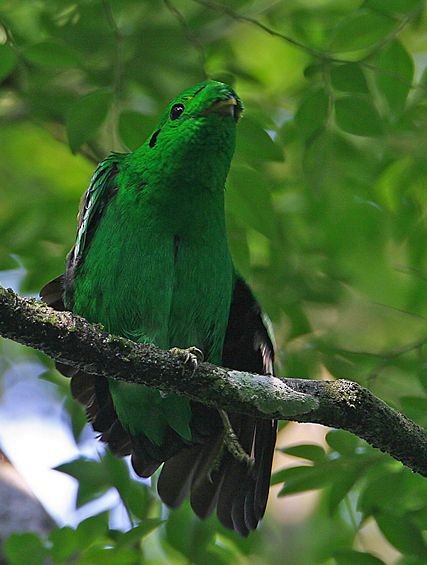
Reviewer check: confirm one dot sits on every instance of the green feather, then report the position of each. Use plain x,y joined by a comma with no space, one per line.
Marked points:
151,261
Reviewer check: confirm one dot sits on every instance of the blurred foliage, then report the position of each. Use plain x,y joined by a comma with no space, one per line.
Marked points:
326,208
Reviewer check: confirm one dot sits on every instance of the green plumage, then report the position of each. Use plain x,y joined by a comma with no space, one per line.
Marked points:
151,263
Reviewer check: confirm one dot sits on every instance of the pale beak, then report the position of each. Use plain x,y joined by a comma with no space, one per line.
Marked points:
227,107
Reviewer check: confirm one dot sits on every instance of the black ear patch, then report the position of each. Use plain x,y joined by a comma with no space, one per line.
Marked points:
153,139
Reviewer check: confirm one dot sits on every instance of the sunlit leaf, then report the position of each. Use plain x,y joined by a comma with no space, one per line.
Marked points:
311,452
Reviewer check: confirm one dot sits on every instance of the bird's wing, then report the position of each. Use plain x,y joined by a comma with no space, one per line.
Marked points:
101,189
90,390
214,478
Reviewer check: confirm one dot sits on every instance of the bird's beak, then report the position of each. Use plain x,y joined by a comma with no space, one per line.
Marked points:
227,107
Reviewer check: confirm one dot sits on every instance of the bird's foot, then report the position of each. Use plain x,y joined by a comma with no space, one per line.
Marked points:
232,443
191,356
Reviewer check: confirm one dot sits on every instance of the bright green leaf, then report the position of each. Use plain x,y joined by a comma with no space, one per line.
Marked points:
358,116
23,548
93,481
343,442
86,116
310,452
92,529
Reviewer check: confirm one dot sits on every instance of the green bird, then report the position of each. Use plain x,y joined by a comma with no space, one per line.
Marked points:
151,263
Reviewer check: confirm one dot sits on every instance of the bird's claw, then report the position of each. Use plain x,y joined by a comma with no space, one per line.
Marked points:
191,356
232,444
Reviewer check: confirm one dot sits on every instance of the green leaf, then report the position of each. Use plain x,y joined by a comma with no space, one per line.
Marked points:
86,116
26,547
351,557
349,77
134,128
93,481
343,442
254,144
393,6
415,407
312,113
249,200
8,61
361,29
302,478
64,543
422,376
402,533
342,485
92,529
139,532
51,55
394,74
310,452
358,116
379,492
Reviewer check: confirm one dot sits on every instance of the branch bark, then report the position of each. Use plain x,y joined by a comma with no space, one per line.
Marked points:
340,404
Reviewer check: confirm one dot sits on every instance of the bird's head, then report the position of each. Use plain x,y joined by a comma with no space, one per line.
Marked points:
196,132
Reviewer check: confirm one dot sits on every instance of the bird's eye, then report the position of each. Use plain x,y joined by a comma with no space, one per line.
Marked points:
176,111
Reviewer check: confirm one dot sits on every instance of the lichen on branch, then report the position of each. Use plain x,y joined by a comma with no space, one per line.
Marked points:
341,404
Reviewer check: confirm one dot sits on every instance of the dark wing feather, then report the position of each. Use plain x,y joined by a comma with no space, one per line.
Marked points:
90,390
238,491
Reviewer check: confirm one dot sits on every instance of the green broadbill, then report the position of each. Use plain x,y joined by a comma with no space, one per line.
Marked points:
151,263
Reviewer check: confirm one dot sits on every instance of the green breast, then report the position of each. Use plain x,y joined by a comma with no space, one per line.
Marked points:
155,276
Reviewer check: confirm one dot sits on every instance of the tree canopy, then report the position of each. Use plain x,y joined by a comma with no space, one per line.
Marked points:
326,208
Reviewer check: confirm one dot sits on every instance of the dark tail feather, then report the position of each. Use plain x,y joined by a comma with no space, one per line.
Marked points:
176,475
238,491
265,440
52,293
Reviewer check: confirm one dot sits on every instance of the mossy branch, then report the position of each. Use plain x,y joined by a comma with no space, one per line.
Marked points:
341,404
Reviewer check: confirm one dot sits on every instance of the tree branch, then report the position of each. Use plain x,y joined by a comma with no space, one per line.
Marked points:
341,404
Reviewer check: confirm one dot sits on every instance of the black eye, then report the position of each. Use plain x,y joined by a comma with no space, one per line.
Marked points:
176,111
